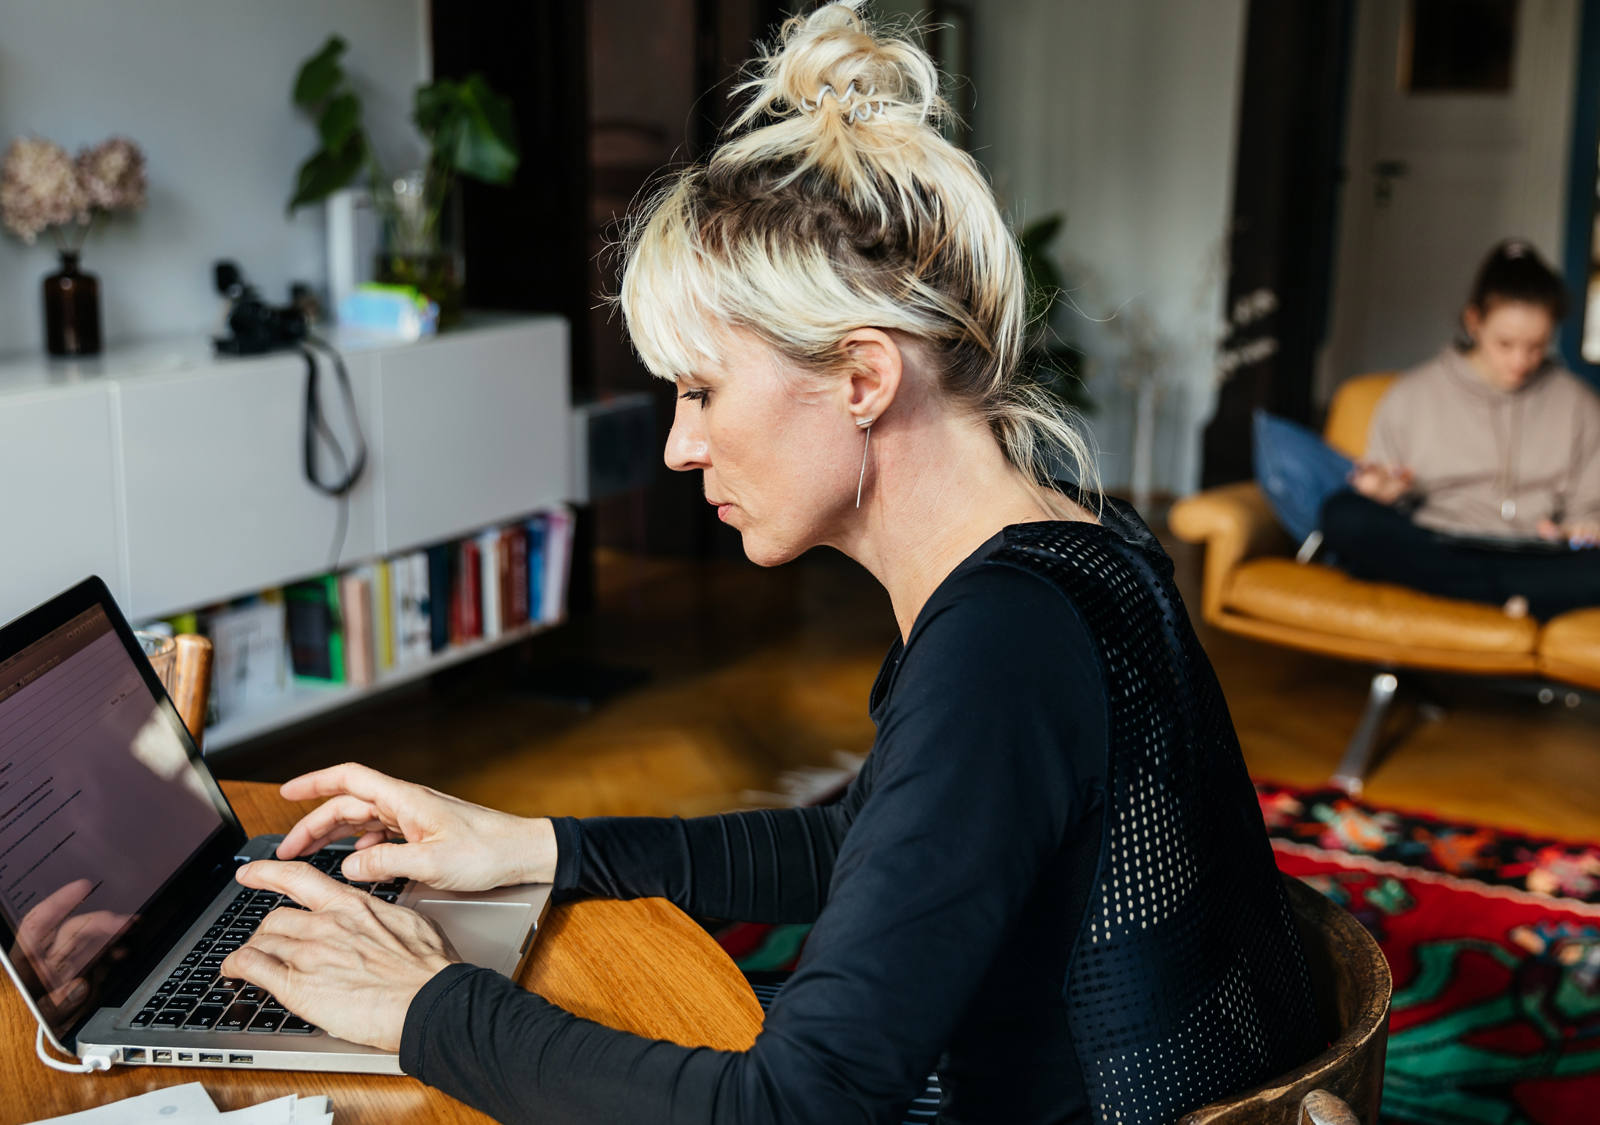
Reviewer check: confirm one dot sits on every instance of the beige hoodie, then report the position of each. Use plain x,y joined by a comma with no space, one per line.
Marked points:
1487,461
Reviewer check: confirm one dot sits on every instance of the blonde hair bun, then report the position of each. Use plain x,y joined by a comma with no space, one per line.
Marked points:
835,203
837,94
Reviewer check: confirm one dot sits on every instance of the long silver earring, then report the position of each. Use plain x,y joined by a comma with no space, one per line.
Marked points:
866,424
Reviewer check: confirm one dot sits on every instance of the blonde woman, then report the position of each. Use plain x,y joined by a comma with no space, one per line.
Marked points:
1050,881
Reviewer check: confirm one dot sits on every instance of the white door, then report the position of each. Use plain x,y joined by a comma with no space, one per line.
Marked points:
1434,179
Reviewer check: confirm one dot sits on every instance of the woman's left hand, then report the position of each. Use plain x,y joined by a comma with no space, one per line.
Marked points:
349,963
1583,533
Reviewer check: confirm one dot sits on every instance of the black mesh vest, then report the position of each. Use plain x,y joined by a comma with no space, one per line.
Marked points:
1186,982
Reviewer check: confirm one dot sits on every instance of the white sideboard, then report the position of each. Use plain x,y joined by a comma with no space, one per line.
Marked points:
177,476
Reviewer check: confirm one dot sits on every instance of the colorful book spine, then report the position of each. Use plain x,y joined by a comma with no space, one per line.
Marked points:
536,563
441,582
558,560
316,635
419,627
514,581
383,613
466,602
355,603
489,584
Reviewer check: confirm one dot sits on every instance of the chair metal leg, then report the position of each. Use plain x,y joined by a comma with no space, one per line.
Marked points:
1351,775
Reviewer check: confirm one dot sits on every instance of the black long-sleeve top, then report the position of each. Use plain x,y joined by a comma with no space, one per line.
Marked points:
1054,784
945,886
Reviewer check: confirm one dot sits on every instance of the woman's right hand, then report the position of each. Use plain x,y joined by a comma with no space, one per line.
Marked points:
449,843
1383,483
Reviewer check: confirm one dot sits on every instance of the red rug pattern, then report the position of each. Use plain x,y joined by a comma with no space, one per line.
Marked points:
1494,941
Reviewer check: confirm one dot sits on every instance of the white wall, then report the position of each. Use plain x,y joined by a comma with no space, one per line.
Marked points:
1123,116
203,87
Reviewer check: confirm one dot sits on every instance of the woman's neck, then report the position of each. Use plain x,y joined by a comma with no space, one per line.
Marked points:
938,487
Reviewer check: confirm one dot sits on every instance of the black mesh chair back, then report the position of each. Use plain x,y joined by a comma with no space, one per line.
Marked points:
1187,982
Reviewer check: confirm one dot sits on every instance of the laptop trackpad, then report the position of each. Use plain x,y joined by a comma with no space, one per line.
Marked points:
482,933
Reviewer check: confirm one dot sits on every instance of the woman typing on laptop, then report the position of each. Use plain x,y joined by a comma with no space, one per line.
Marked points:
1050,880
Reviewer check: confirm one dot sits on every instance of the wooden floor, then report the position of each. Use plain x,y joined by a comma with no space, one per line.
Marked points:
746,673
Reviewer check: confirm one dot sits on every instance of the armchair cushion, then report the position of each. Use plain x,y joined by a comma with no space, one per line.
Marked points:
1319,599
1570,648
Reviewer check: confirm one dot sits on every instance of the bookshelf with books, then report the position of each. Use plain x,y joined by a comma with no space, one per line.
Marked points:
288,654
176,475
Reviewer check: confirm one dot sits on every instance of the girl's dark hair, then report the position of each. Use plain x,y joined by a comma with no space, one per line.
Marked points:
1513,271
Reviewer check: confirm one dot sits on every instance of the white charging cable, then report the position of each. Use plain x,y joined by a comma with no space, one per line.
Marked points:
89,1064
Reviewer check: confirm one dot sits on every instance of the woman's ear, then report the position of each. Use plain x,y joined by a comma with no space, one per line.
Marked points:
874,365
1472,321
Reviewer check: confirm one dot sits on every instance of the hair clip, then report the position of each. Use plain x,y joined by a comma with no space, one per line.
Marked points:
855,105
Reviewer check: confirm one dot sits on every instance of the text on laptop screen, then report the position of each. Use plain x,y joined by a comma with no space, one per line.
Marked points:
99,805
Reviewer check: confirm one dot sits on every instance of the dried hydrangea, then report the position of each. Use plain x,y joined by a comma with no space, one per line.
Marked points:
39,188
112,174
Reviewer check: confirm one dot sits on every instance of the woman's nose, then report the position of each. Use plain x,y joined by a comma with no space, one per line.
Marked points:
686,444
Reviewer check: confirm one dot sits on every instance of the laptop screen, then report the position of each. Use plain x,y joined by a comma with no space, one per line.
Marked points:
100,807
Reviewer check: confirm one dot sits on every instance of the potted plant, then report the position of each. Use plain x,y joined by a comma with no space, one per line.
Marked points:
470,132
1047,359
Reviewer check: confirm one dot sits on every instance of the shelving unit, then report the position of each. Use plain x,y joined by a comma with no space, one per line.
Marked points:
301,700
176,475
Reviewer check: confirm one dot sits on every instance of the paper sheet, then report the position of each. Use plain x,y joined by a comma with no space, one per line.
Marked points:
189,1104
189,1100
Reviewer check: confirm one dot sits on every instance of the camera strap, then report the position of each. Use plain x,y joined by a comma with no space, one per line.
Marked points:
316,424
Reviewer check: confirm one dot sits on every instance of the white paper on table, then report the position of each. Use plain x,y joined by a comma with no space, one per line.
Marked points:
314,1111
291,1109
187,1101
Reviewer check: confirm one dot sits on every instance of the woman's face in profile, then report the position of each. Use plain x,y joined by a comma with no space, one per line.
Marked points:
777,451
1511,340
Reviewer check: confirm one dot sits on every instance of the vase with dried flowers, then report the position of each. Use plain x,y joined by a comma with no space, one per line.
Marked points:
42,188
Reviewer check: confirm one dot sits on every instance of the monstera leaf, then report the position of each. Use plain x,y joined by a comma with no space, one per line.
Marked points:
469,128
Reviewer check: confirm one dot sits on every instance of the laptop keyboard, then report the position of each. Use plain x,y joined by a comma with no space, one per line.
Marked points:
195,998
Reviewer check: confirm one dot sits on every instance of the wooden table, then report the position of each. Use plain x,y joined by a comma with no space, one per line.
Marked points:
643,966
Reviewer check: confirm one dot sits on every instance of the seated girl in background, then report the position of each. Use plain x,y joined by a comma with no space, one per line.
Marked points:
1482,473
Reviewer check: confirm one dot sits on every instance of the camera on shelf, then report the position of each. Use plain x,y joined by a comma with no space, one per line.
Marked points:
256,326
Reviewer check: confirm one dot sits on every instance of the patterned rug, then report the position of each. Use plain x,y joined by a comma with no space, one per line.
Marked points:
1493,938
1494,941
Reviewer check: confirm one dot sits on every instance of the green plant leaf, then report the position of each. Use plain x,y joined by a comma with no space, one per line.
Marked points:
1038,234
320,74
486,146
435,103
470,128
326,172
340,118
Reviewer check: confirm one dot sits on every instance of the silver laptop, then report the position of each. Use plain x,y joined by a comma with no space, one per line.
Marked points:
117,853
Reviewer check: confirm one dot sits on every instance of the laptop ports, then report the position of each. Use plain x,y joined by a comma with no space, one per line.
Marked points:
133,1054
210,1057
242,1060
158,1055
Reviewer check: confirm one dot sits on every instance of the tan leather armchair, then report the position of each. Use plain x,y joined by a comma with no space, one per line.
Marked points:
1254,587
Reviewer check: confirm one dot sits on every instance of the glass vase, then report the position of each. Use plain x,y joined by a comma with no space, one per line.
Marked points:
420,245
72,309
